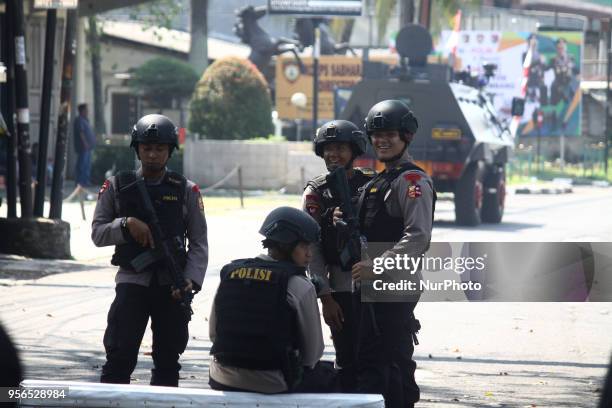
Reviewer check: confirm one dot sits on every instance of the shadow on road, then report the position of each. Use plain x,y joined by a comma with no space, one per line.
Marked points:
511,362
503,227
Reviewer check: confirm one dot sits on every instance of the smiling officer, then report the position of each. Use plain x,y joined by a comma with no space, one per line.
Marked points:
338,143
396,217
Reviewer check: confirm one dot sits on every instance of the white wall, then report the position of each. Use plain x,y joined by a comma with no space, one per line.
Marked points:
266,166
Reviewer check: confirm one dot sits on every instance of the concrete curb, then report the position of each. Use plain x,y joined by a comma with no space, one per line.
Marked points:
543,190
19,267
559,186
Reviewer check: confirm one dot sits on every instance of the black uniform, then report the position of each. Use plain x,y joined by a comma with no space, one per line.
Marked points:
319,202
178,205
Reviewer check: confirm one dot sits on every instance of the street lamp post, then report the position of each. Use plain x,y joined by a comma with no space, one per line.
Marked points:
299,100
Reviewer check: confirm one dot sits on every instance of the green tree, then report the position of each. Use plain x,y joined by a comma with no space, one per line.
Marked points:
231,101
93,40
162,79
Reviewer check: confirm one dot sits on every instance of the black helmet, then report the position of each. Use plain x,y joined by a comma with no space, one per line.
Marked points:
340,131
391,115
155,129
287,225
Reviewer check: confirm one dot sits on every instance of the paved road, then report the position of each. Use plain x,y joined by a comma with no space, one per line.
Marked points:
579,216
500,354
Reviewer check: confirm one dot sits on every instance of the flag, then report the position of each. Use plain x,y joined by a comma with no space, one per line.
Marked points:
453,39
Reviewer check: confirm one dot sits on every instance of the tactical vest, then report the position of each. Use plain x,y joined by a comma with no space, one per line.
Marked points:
375,222
167,197
255,326
329,237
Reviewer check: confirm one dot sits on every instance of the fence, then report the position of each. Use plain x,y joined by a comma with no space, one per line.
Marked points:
526,164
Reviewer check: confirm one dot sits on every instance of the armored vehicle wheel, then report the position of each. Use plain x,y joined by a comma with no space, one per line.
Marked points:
494,196
468,195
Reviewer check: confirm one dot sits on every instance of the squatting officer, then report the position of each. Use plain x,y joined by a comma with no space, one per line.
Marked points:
264,323
396,216
120,220
338,142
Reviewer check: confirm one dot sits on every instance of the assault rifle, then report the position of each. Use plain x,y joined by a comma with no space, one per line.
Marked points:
349,238
166,250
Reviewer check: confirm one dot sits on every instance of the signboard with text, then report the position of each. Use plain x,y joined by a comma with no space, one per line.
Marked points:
316,7
56,4
335,71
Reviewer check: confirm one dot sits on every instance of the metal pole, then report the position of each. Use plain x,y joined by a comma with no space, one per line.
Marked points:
425,13
45,111
562,148
608,100
11,145
240,187
315,76
23,111
538,152
302,176
370,13
298,135
64,116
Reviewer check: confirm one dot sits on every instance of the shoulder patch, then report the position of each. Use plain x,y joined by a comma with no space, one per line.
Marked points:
200,203
312,204
414,189
103,188
412,177
195,188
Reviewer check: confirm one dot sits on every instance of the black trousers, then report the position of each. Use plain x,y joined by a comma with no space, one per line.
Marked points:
344,343
384,352
127,321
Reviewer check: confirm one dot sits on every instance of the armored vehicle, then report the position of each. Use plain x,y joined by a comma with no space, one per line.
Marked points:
460,142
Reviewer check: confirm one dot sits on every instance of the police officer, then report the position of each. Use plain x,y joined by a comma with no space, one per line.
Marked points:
337,142
120,220
565,69
264,323
395,216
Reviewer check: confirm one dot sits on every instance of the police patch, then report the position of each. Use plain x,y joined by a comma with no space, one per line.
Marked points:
103,188
312,204
414,190
200,203
312,208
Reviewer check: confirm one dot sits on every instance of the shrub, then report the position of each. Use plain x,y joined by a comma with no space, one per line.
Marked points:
162,79
231,101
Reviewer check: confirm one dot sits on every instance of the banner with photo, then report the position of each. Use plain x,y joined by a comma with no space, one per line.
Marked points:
553,97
